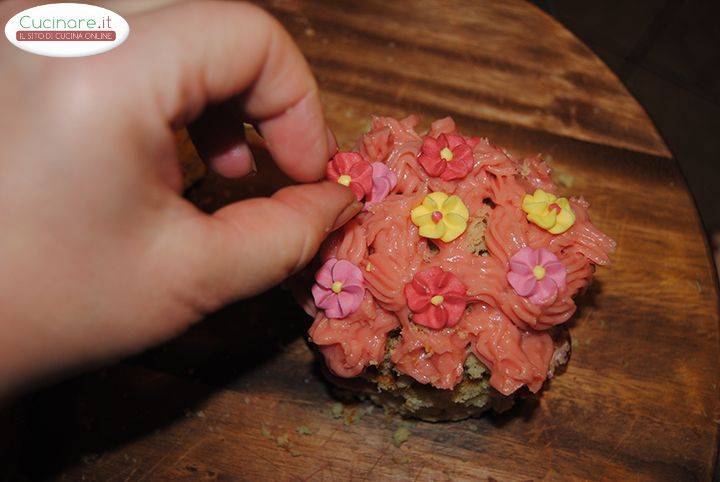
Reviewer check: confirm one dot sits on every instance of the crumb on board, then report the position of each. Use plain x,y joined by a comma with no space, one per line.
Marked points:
564,179
246,400
401,436
336,410
282,440
403,459
265,431
350,416
304,430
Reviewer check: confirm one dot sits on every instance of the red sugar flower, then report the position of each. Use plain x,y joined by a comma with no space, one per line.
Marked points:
436,298
351,170
448,157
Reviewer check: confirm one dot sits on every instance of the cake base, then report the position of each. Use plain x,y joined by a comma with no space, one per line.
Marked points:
402,395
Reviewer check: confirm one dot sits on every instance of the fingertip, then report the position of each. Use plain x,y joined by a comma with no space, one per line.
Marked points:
299,140
347,214
235,162
219,137
255,244
325,196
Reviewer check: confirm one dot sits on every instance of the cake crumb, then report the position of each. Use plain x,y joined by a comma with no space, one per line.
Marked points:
401,436
475,238
336,410
265,431
563,179
283,440
246,401
303,430
524,168
474,368
351,416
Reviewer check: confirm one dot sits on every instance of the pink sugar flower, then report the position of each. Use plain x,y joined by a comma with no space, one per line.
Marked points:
351,170
436,298
384,180
447,157
537,274
338,288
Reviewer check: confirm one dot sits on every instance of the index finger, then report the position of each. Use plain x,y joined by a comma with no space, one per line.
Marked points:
201,53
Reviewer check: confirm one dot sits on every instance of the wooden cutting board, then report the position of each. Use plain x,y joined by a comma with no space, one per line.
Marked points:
239,396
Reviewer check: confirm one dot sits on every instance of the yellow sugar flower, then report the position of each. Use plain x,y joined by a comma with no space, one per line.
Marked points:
440,217
549,212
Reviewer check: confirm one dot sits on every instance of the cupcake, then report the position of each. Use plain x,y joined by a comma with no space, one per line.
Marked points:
447,295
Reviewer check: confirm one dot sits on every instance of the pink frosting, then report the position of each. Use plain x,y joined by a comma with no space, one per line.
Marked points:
543,290
503,328
338,288
353,165
436,298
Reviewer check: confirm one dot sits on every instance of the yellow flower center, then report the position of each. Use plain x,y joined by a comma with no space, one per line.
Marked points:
437,299
336,287
344,180
446,154
539,272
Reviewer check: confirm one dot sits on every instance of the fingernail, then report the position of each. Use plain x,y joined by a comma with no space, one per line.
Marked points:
347,214
253,165
331,141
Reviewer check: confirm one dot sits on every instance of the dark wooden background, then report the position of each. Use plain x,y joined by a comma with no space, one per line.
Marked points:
228,399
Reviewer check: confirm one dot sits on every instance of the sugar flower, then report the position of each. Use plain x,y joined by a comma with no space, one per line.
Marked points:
338,288
383,181
549,212
447,157
437,298
440,217
351,170
537,274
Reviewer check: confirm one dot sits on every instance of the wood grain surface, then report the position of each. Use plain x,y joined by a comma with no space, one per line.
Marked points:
501,61
229,399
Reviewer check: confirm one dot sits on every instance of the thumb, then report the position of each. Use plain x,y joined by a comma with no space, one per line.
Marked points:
250,246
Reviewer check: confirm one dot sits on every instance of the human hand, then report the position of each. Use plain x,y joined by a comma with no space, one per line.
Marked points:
100,256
